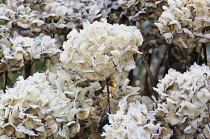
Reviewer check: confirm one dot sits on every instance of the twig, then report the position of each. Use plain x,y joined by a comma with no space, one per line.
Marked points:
146,86
28,69
131,77
159,64
32,63
1,73
204,53
148,70
169,57
199,55
185,56
43,65
105,118
5,81
108,97
10,82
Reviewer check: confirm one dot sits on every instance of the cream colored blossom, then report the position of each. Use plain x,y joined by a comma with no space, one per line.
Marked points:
97,9
184,101
133,120
26,48
39,106
135,11
31,18
101,49
185,23
51,16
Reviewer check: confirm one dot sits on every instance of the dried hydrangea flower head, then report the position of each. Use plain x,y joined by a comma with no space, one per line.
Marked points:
184,101
44,105
101,49
91,97
137,10
62,14
71,14
93,10
35,17
49,16
26,48
134,12
134,120
185,22
142,14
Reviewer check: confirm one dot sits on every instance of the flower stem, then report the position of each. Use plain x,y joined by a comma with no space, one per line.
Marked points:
204,53
5,81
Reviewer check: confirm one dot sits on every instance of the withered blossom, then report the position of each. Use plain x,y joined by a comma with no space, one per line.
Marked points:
184,101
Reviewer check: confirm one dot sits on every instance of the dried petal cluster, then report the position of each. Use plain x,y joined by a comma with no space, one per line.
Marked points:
141,13
184,101
51,16
21,49
29,18
137,10
97,95
96,9
134,120
185,22
101,49
44,105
